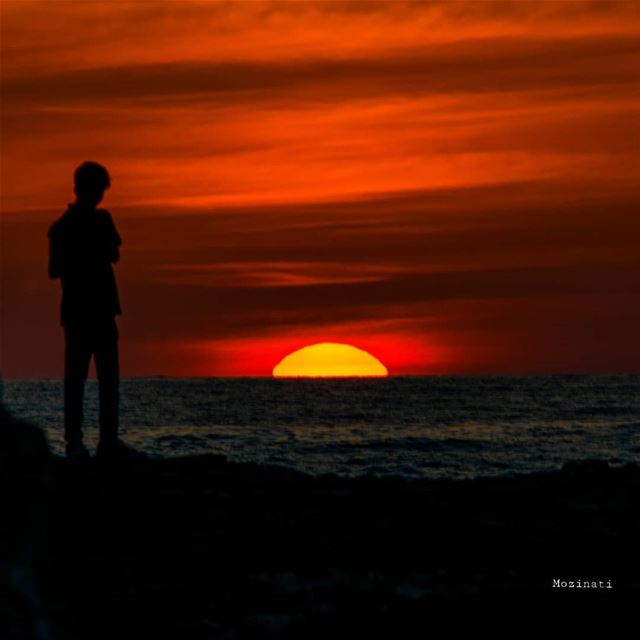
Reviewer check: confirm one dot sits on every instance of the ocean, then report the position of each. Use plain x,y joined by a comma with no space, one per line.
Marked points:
414,426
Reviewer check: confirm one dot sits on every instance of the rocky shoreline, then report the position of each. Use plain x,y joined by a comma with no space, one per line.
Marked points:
198,547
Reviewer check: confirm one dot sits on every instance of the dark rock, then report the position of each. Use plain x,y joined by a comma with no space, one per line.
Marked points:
197,547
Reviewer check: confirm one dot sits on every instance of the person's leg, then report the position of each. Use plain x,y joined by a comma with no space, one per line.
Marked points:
77,355
105,349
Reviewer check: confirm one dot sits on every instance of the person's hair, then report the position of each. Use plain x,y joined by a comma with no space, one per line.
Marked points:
90,176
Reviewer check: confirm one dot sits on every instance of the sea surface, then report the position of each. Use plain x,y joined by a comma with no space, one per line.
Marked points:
437,427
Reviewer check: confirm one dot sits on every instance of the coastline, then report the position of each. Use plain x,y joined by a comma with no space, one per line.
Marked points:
199,547
207,547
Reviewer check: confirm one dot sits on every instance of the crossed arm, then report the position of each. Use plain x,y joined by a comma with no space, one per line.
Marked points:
59,253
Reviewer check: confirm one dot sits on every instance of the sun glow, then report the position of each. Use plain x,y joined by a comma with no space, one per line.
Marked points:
329,360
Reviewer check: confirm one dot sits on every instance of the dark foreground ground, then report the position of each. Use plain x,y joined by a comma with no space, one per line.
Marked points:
200,548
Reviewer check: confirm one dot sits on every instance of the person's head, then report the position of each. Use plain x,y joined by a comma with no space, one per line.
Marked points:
90,181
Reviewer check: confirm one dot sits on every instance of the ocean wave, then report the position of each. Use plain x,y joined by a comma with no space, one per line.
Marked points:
432,427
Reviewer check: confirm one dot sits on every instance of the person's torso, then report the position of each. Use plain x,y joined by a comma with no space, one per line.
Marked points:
85,244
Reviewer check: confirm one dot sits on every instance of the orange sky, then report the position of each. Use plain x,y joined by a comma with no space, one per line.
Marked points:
452,186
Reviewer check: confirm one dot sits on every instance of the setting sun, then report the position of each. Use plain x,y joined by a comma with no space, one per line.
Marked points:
329,359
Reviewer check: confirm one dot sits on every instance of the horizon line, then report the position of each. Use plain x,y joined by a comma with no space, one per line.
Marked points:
401,375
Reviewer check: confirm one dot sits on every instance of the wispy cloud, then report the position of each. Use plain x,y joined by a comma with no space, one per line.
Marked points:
450,174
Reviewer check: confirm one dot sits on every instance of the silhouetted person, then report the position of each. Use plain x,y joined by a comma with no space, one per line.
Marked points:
83,244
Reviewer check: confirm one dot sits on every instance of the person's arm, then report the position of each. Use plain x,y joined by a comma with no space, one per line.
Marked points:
116,241
55,262
114,254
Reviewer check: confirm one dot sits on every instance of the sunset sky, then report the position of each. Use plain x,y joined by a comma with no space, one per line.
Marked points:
450,186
